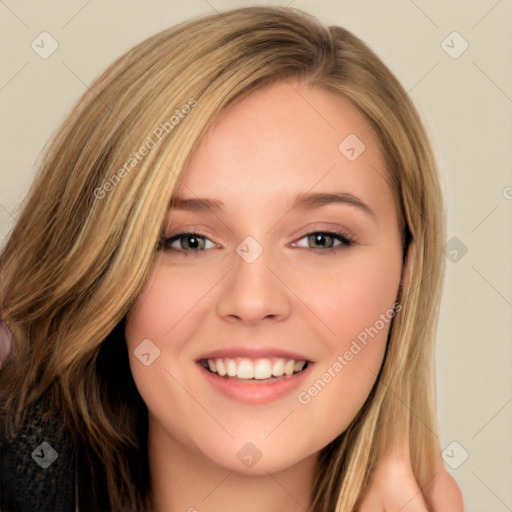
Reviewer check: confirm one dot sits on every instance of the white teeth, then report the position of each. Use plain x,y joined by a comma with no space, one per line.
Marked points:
278,368
289,366
221,370
263,369
299,365
260,369
245,369
231,368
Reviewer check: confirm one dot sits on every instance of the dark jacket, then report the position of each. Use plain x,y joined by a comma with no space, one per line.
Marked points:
44,470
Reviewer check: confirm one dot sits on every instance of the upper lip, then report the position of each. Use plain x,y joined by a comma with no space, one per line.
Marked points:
253,353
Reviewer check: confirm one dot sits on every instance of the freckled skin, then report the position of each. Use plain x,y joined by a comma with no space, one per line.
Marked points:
263,152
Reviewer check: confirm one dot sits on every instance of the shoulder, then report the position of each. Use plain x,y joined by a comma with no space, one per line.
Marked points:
37,464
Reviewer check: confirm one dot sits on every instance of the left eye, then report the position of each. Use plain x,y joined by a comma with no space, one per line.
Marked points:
323,240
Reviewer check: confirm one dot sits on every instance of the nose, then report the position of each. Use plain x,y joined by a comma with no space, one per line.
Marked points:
251,292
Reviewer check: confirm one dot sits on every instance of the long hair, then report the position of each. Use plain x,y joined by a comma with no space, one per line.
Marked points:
87,236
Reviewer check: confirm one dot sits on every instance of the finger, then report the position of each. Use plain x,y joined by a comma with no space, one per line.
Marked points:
442,493
393,488
415,503
6,344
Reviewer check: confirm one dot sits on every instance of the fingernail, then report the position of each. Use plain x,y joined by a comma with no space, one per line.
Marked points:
6,344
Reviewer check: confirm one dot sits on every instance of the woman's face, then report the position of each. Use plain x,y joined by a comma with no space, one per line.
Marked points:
294,262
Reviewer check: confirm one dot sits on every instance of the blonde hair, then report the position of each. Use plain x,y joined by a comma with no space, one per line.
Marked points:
86,239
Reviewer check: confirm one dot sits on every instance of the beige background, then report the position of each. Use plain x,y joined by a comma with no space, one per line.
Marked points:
466,103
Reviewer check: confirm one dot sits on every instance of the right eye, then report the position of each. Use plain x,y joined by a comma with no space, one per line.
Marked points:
186,243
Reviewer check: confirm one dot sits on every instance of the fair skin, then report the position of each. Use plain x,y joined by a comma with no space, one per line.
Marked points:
297,300
393,487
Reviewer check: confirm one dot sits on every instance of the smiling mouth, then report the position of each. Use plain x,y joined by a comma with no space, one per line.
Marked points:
245,369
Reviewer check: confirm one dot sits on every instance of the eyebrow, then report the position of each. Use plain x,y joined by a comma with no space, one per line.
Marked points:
307,201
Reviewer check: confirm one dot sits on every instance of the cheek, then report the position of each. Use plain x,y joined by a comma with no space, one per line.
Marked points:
158,314
354,298
168,312
357,305
168,304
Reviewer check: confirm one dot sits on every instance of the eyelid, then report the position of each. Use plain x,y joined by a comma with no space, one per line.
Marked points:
196,229
168,240
337,237
323,228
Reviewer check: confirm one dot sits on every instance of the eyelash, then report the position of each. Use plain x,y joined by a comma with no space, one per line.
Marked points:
343,238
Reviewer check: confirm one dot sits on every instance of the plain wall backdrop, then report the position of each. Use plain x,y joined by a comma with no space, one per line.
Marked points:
453,57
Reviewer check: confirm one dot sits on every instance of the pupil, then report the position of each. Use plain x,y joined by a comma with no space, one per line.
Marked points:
320,239
192,242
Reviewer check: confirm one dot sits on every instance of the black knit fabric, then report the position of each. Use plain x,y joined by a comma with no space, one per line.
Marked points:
26,486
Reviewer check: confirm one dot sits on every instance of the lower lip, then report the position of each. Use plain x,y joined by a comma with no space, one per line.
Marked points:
255,391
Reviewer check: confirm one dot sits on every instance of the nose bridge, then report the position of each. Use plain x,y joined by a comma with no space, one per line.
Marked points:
251,292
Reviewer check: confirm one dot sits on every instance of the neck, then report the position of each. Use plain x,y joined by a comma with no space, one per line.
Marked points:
185,480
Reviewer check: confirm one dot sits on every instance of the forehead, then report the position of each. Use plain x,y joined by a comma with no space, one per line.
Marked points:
286,139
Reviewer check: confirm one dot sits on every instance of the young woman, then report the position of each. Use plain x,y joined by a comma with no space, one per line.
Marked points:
225,282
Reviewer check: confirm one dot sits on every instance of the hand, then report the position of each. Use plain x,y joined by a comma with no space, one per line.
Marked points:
393,487
6,344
